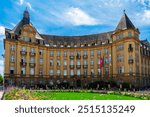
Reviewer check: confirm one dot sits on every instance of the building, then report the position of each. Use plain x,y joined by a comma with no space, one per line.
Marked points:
32,58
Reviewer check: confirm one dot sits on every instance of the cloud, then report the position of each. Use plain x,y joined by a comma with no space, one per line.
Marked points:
29,6
2,30
21,2
145,17
76,16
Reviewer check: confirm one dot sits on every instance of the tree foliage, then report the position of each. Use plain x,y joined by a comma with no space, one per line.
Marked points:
1,79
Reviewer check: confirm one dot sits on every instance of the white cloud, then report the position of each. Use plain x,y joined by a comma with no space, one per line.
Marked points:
146,17
29,6
2,30
77,16
21,2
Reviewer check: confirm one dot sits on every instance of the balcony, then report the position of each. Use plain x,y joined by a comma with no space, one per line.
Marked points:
85,66
85,56
23,52
32,53
78,57
71,66
23,63
32,64
78,66
71,57
130,49
130,61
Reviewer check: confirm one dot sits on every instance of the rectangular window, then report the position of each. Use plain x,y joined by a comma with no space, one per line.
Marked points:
58,54
85,52
41,52
129,34
31,60
85,62
23,48
32,50
78,53
41,61
106,71
11,70
51,72
31,71
106,51
58,72
98,52
71,72
65,72
51,53
85,72
71,53
92,53
12,47
99,71
65,53
58,62
78,72
11,58
23,71
92,62
65,63
71,62
51,62
40,72
78,62
92,72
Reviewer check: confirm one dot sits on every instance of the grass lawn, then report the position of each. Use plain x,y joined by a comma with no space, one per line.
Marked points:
80,96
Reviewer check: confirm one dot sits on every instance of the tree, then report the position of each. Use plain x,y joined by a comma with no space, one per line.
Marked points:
1,79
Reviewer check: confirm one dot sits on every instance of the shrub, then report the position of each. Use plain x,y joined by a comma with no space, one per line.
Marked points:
1,79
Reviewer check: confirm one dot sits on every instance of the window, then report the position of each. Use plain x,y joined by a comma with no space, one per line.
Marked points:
85,62
31,71
65,53
41,61
71,53
130,70
71,72
106,61
65,72
32,50
78,62
106,51
129,34
58,62
98,52
12,47
99,71
106,71
23,48
24,38
92,62
71,62
58,54
23,71
11,58
51,72
98,61
78,72
85,72
11,70
92,53
51,62
58,72
40,52
31,60
92,72
51,53
65,63
78,54
85,52
40,72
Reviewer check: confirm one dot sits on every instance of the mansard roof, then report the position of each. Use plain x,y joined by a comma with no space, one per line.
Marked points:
145,42
125,23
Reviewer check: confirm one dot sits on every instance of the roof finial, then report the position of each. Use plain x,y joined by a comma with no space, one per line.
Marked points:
124,11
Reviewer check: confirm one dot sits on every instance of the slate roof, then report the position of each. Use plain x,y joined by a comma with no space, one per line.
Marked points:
125,23
145,42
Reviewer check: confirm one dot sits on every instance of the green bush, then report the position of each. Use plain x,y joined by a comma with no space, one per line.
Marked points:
1,79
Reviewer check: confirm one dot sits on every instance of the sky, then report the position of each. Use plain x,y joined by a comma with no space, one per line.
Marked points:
74,17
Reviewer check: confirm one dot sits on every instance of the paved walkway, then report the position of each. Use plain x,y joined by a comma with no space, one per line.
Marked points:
1,94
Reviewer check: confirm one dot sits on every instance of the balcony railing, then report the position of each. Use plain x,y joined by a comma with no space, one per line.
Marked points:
23,63
32,64
32,53
130,61
78,57
71,57
71,66
130,49
78,66
85,66
85,56
23,52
